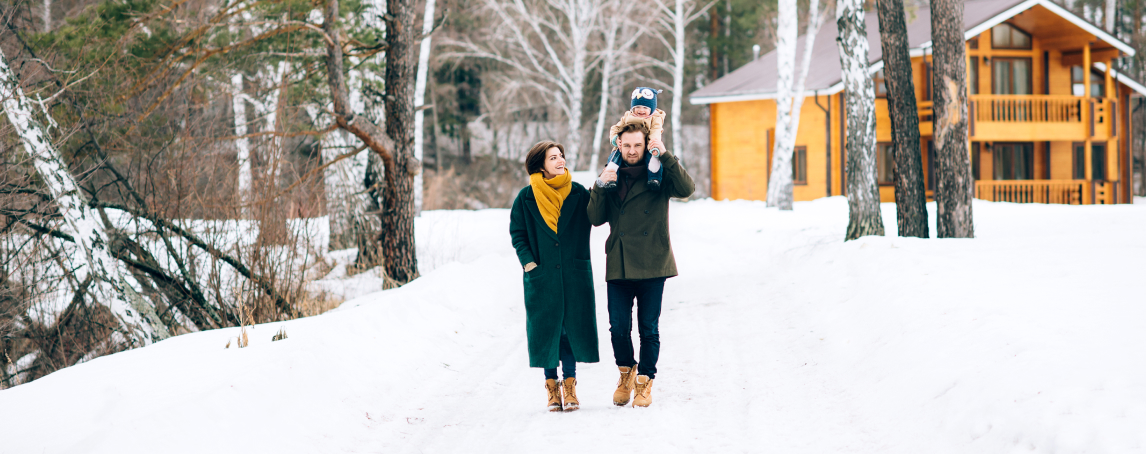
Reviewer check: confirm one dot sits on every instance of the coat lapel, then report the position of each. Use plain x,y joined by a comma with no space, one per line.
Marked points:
568,207
638,187
531,204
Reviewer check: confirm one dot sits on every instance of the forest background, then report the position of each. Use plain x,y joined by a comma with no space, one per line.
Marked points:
205,135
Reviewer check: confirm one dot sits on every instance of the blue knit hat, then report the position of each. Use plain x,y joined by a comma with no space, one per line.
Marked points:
645,96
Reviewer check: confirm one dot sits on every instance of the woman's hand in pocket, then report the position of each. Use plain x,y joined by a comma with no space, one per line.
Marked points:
530,266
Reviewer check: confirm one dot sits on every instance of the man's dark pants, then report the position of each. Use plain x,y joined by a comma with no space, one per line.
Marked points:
647,293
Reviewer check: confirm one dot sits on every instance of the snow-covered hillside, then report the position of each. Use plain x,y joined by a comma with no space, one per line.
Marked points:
777,337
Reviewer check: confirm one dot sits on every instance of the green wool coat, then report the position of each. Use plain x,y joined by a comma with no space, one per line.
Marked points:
638,246
559,292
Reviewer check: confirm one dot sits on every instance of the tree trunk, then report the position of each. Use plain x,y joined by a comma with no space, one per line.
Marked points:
954,187
863,191
910,192
786,131
398,213
680,22
420,97
394,145
242,145
1109,15
780,179
111,286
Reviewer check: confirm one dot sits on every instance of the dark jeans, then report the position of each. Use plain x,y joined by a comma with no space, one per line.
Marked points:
568,363
648,294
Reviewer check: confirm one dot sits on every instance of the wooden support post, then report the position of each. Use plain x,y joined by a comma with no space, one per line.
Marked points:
1088,115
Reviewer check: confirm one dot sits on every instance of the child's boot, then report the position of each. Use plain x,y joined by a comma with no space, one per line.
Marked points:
613,164
656,173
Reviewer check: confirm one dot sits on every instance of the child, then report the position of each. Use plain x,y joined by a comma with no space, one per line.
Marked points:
643,110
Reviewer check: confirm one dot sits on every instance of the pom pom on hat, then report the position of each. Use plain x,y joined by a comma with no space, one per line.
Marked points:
645,96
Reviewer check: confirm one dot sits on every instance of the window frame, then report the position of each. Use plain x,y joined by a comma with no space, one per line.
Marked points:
1097,82
800,165
1013,27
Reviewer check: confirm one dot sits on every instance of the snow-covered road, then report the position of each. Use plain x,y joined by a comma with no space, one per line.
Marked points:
777,337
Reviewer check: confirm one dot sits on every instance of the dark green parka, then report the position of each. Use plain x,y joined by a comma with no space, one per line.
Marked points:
559,292
638,246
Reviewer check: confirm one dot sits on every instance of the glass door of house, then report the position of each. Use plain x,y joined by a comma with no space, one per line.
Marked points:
1013,161
1011,76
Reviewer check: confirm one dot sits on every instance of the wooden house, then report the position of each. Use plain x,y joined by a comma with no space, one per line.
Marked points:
1049,116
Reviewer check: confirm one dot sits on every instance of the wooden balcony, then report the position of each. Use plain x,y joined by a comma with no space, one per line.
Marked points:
1068,192
1026,118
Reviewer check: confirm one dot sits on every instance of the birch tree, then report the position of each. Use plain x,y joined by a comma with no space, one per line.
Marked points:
547,44
673,23
618,34
910,192
863,190
790,95
420,96
102,274
954,183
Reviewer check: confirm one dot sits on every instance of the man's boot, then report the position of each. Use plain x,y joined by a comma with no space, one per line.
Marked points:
554,391
625,386
570,390
644,391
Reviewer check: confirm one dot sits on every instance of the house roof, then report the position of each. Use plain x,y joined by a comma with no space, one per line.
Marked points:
757,79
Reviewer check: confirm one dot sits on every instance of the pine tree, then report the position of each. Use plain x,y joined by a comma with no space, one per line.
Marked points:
954,184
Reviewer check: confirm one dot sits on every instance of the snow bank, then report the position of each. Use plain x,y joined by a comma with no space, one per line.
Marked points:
777,337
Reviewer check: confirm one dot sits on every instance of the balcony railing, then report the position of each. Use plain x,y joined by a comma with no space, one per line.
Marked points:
1034,117
1069,192
1028,108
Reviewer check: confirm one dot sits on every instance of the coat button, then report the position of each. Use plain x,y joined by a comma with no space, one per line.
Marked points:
557,244
558,266
646,211
646,233
622,234
622,211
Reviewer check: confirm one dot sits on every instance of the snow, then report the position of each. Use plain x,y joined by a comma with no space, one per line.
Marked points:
777,337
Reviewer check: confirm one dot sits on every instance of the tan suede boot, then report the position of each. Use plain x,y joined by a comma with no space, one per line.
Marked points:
643,391
554,391
569,388
625,386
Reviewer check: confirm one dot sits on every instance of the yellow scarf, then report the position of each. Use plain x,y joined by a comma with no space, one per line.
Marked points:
550,194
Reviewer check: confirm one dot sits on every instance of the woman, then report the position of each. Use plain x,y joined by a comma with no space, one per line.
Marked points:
550,231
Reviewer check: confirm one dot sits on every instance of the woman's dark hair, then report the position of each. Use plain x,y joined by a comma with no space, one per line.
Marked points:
535,159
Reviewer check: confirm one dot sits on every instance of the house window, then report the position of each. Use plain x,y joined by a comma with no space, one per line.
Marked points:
974,75
1013,161
885,162
1011,76
1097,83
1007,36
973,43
880,84
975,161
1079,161
1097,161
800,165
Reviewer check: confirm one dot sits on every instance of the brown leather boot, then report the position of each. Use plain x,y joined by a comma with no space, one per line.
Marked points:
625,386
643,391
554,391
569,388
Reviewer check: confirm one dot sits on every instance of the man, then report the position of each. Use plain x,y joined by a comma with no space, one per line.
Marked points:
638,254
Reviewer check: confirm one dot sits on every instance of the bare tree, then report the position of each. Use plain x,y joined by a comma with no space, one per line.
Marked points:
673,24
790,95
955,186
547,43
420,96
618,34
103,276
863,191
910,192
